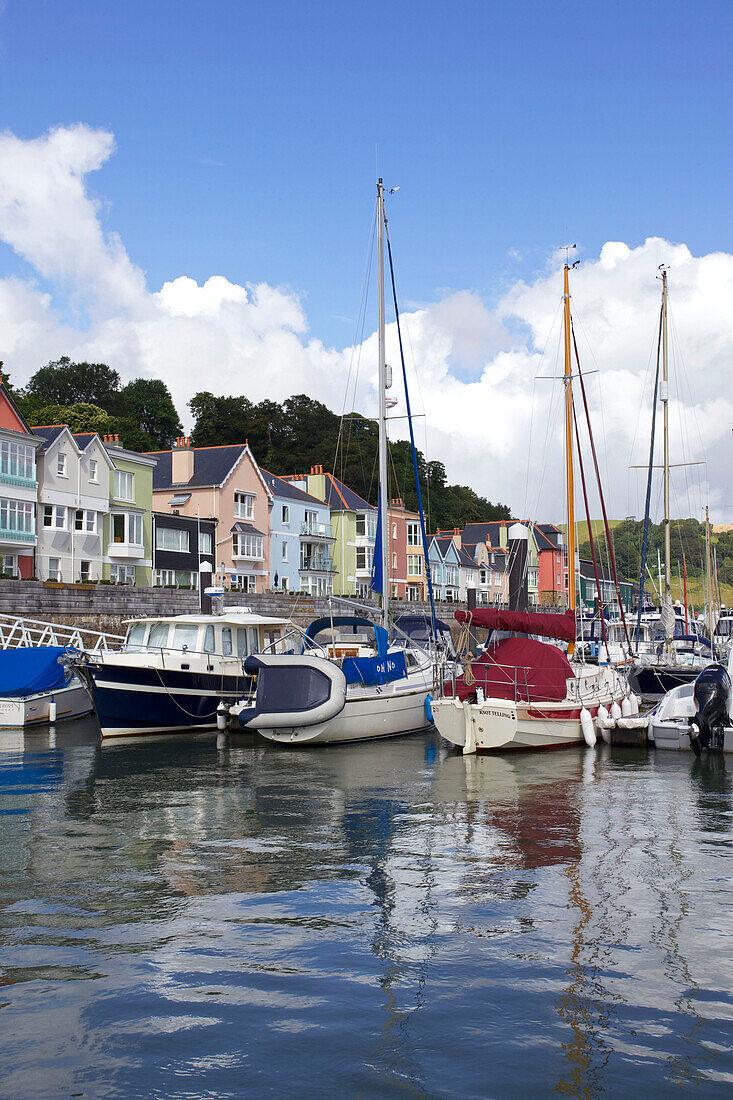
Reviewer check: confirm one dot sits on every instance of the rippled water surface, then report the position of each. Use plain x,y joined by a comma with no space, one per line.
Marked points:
187,918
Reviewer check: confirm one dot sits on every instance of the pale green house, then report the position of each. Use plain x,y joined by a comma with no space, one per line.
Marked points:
354,528
128,528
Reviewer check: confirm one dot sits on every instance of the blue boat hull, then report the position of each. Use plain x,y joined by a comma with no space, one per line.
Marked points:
130,701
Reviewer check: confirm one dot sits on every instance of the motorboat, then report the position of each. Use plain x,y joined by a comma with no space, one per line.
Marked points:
697,715
178,673
37,688
349,683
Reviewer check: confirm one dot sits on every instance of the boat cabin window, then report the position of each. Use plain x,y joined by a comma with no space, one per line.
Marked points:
254,640
209,646
136,637
242,650
158,636
226,640
184,636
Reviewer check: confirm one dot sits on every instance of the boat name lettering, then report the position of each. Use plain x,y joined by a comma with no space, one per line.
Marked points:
496,713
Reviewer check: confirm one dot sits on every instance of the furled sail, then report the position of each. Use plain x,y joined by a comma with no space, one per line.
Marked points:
545,624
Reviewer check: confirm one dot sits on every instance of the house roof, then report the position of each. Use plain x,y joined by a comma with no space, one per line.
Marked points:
339,497
49,433
246,529
466,559
281,487
83,439
546,536
13,407
211,466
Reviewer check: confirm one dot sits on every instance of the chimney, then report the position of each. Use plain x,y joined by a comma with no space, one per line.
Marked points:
182,461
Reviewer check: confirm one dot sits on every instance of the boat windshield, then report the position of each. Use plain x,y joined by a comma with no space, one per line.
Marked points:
223,639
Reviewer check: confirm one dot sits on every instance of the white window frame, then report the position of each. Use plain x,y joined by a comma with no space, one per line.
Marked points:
284,550
414,565
167,537
244,505
205,542
247,546
286,513
54,571
17,460
61,464
123,479
54,517
413,534
85,521
93,470
126,572
132,522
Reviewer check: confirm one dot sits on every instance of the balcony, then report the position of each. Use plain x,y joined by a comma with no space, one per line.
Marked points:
316,563
317,531
126,550
19,482
7,534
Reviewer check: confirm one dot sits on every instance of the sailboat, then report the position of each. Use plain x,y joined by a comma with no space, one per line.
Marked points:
523,693
676,657
349,682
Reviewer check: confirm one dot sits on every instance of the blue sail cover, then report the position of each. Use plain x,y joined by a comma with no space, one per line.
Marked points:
31,669
377,582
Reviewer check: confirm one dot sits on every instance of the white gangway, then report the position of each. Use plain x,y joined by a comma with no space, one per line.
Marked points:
17,631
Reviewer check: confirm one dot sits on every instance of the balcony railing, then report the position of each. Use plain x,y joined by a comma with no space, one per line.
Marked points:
316,563
17,480
7,534
316,530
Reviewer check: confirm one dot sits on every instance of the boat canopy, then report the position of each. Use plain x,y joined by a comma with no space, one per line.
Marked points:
31,669
522,669
356,623
545,623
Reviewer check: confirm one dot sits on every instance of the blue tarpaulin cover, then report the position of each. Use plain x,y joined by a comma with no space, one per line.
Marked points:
30,669
374,670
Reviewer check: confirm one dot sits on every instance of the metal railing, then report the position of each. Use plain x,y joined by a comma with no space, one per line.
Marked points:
317,530
16,632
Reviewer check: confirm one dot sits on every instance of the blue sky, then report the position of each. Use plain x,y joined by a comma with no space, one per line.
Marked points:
186,192
246,133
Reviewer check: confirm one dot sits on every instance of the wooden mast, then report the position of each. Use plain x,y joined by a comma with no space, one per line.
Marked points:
383,490
570,503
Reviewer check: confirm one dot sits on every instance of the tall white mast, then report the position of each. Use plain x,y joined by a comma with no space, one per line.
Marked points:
667,599
383,492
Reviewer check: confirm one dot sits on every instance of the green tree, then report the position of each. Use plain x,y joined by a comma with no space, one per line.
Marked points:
219,421
65,383
146,405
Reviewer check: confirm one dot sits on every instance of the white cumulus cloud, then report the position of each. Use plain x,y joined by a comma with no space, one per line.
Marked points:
487,419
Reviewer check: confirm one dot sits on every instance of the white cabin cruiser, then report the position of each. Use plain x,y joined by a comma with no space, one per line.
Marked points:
36,687
175,673
697,715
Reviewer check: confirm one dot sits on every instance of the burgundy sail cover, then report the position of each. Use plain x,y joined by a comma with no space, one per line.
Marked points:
544,623
519,668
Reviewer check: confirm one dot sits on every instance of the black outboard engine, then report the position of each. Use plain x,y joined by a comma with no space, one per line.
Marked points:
712,695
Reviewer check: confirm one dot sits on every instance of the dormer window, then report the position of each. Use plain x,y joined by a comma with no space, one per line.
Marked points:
61,464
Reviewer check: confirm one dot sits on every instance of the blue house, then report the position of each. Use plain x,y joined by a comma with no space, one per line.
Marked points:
445,568
301,540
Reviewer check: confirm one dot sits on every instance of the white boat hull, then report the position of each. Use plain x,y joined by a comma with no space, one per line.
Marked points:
500,725
72,701
396,711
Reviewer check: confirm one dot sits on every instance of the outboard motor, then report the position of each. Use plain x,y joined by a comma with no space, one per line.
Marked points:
712,695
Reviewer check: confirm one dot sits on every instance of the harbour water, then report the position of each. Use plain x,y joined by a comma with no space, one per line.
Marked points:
203,917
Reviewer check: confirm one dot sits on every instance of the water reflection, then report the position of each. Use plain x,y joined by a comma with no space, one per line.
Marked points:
389,919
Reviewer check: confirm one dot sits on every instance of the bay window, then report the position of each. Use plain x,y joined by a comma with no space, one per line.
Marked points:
127,527
246,546
17,460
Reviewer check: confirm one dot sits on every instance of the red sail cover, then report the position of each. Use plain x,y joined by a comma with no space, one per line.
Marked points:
547,625
519,668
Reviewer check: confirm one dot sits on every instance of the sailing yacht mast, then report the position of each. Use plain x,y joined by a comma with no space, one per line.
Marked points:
569,448
383,492
664,396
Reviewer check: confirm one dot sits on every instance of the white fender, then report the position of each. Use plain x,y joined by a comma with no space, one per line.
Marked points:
257,718
634,701
586,725
615,711
626,707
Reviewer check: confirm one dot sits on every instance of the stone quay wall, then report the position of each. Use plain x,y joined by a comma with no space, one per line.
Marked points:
106,607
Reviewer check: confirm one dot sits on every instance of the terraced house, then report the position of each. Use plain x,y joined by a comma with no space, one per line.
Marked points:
301,539
223,483
129,526
73,505
18,490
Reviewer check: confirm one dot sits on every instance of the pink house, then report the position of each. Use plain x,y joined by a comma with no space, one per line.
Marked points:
406,557
222,483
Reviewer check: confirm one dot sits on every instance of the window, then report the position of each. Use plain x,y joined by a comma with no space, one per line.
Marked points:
184,636
284,551
242,650
17,516
364,557
54,569
246,546
93,467
482,575
122,574
54,515
85,520
127,527
414,565
209,640
169,538
286,513
226,641
244,582
394,561
158,634
451,575
360,523
244,505
85,570
61,464
413,534
394,530
394,591
17,460
135,637
165,577
124,485
205,542
9,564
